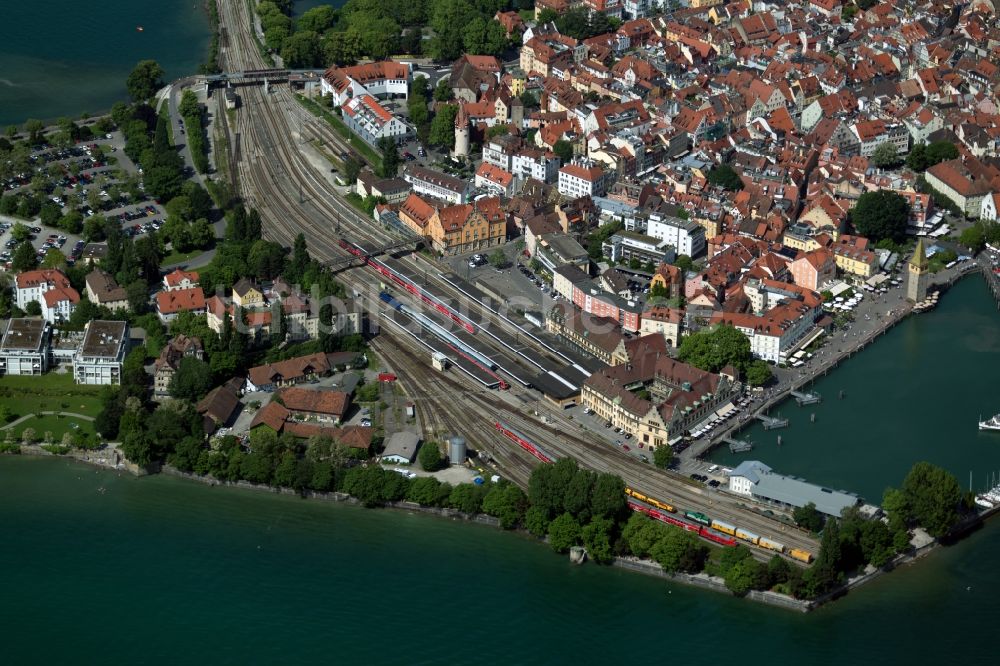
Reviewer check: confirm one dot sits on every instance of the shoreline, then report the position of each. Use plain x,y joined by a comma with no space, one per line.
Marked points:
635,565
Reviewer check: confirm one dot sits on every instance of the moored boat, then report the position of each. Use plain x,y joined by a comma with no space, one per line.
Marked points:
990,424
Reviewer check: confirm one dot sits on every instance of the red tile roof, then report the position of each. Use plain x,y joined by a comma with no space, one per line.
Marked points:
53,278
178,276
180,300
317,401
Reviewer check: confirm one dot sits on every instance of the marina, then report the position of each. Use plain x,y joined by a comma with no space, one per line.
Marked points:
880,453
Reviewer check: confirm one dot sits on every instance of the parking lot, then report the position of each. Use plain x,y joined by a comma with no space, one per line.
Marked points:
93,178
521,286
42,239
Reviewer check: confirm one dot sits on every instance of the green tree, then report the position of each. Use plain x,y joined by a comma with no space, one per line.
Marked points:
443,126
424,491
577,498
564,533
934,497
881,214
24,258
563,150
389,164
443,91
548,485
778,570
467,497
941,151
144,80
597,537
641,534
536,521
885,155
497,258
876,543
430,457
678,550
20,232
192,380
809,518
714,349
33,128
136,447
663,455
301,50
318,19
917,159
725,176
758,373
973,238
54,258
896,504
746,575
33,309
506,502
607,497
352,167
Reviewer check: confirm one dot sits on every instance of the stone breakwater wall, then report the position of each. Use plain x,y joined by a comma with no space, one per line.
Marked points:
712,583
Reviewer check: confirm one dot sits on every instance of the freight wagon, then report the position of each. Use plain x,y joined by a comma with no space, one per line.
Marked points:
649,500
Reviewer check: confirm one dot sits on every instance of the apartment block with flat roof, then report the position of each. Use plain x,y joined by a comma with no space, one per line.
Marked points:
24,348
100,357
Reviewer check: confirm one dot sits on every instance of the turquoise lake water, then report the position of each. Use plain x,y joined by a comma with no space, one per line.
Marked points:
61,58
164,571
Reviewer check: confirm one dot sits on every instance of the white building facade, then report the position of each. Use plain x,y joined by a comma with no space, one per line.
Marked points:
686,236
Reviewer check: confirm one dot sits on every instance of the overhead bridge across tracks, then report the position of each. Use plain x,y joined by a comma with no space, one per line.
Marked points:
259,76
350,260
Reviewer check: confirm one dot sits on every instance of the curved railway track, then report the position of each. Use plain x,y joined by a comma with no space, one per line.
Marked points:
276,178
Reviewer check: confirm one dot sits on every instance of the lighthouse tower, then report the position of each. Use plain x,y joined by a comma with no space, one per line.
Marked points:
916,275
461,133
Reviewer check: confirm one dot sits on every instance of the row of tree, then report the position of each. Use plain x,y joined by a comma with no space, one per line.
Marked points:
369,29
193,114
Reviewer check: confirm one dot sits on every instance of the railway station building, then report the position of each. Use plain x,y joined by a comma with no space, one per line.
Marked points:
652,396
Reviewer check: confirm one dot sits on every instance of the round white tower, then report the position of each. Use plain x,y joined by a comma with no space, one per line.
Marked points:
461,133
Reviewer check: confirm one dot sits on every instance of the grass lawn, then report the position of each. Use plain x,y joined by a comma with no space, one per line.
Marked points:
50,392
57,425
179,257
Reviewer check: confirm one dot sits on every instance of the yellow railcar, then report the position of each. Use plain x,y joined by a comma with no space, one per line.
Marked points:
724,527
747,536
764,542
635,494
801,555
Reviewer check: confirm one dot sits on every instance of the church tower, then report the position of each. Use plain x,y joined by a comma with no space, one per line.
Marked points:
916,277
461,133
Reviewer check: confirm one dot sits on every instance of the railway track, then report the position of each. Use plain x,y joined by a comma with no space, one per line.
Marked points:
275,177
